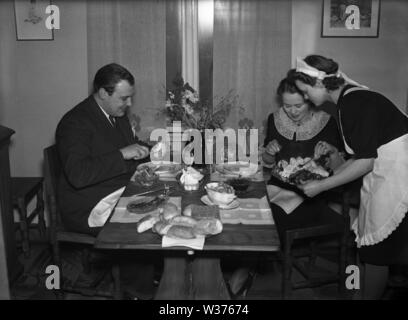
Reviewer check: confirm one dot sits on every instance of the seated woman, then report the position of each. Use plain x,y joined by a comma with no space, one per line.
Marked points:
297,129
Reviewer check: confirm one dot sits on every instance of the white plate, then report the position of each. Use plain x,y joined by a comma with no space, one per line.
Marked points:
161,167
234,204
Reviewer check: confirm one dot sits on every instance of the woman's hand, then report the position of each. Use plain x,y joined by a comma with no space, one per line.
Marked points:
323,148
312,188
273,148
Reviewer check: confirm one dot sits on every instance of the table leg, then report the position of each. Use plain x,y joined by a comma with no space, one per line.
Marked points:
197,279
175,281
208,280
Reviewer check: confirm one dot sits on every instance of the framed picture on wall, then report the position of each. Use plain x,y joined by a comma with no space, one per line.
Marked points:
350,18
30,20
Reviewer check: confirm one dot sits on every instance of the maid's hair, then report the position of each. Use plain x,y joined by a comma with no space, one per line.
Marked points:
321,63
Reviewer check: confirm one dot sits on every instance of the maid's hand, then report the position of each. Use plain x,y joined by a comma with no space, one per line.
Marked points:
312,188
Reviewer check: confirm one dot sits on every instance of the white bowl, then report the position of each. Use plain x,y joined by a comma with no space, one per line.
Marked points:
219,198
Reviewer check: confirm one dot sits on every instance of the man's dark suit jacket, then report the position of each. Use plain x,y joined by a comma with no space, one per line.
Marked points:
93,166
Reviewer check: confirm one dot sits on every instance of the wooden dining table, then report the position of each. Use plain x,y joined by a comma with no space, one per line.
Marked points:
192,274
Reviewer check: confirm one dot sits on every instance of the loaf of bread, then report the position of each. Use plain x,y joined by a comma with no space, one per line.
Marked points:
180,232
183,221
208,227
147,223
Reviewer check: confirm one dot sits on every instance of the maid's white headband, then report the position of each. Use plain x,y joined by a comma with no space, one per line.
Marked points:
303,67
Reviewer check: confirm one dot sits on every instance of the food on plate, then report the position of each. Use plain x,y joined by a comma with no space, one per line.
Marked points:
300,169
242,169
220,193
190,179
146,176
146,204
183,221
180,232
168,211
147,223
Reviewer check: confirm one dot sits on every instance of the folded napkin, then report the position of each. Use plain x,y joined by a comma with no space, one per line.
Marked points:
196,243
101,212
287,200
251,211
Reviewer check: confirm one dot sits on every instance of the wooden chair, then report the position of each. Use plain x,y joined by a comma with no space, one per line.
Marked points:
58,234
24,189
313,239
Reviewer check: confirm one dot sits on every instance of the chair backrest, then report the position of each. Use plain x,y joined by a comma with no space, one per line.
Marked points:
52,171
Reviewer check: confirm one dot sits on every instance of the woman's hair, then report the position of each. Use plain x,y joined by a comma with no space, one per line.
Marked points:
321,63
286,86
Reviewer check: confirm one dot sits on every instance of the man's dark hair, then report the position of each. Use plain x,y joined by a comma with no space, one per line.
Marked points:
108,76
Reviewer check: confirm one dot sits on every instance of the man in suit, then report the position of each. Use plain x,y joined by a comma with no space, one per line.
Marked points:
97,147
99,153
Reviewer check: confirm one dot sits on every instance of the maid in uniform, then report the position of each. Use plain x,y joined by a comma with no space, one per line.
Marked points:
375,134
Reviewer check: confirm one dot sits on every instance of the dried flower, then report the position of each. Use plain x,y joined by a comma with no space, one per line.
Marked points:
183,104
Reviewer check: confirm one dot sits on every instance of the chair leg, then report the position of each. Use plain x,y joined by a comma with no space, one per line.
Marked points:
287,271
40,210
24,227
342,265
117,294
56,258
86,254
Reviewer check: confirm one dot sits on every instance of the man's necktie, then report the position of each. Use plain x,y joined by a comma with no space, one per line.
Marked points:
113,122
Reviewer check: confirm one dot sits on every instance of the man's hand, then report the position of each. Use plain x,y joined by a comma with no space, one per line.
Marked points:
273,147
134,151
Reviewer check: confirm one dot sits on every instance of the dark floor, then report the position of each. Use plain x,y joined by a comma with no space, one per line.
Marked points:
265,286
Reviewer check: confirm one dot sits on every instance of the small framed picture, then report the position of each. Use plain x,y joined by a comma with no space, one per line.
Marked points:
351,18
30,20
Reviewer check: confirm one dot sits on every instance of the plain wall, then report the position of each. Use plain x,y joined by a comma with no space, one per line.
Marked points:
380,63
40,81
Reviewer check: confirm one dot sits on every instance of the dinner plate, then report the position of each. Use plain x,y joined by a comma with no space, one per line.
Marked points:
161,167
233,205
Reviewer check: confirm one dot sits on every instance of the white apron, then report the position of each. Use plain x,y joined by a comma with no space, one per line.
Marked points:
384,194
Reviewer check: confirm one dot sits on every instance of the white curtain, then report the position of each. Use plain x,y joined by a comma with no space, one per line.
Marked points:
133,34
252,53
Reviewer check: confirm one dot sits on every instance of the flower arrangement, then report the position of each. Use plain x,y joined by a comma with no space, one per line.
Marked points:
184,105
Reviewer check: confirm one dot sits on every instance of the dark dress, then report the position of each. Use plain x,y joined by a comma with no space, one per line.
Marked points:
369,120
301,141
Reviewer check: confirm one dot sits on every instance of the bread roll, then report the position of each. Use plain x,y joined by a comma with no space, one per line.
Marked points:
180,232
188,211
169,210
161,227
183,221
208,227
147,222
